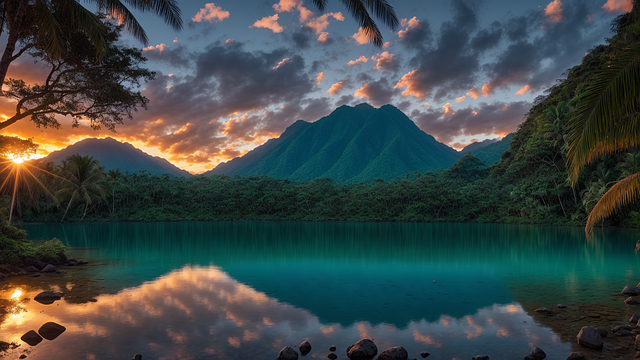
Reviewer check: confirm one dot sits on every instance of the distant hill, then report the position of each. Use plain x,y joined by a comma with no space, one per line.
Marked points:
352,144
491,153
477,145
113,154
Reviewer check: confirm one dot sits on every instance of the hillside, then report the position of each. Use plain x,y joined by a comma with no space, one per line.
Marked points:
113,154
490,154
478,145
352,144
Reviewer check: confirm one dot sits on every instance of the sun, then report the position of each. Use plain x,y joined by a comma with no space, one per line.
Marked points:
18,160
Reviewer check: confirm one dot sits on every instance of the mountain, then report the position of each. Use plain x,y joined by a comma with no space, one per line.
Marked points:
352,144
477,145
491,153
113,154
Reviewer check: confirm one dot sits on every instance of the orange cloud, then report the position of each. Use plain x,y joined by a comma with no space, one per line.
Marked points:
523,90
280,63
320,77
461,98
211,13
360,37
426,104
290,5
448,109
324,37
410,81
487,89
320,23
505,107
269,22
474,93
408,24
336,88
618,6
175,41
383,60
157,47
361,59
553,12
363,91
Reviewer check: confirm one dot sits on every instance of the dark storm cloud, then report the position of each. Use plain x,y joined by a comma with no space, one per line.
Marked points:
486,39
417,37
177,56
498,118
344,100
302,38
404,106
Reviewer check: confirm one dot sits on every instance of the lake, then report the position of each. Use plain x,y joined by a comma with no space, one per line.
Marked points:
244,290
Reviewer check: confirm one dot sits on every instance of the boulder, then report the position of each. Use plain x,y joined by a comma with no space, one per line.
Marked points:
47,297
31,269
590,337
82,262
634,318
72,260
616,328
560,306
632,301
637,343
394,353
287,353
576,356
32,338
39,264
543,310
51,330
332,348
602,331
537,353
49,269
480,357
332,356
62,257
363,349
424,354
304,348
137,357
630,291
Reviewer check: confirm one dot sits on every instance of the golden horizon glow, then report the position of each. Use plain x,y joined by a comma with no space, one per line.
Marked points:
16,294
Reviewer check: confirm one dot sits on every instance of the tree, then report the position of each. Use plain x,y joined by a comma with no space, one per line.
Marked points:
358,9
606,122
84,183
49,23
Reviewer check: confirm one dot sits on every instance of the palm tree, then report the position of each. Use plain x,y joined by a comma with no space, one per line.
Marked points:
114,176
606,122
48,22
358,9
84,182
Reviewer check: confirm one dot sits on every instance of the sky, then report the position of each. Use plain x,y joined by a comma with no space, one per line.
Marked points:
240,72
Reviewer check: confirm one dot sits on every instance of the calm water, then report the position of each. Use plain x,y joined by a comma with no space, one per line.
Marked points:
245,290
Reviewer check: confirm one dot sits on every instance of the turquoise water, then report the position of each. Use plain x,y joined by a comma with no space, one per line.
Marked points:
244,290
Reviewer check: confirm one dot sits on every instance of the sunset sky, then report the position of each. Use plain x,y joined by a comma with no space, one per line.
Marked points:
242,71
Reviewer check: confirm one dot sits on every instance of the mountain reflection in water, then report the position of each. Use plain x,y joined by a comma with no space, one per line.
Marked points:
203,313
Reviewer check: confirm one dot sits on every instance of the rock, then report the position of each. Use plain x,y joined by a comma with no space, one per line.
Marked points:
544,310
51,330
39,264
634,318
363,349
630,291
72,260
62,257
576,356
637,343
590,337
31,269
49,268
617,328
424,354
602,331
637,355
137,357
304,348
529,357
560,306
622,332
332,348
332,356
8,269
394,353
480,357
287,353
537,353
32,338
23,356
632,301
47,297
82,262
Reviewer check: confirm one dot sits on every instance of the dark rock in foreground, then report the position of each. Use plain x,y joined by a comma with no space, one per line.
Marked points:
137,357
602,331
31,269
424,354
576,356
632,301
32,338
49,268
332,356
332,348
630,291
537,353
480,357
394,353
637,343
590,337
560,306
304,348
51,330
287,353
544,310
47,297
364,349
634,318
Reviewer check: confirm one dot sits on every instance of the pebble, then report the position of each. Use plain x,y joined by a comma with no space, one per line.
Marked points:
424,354
332,348
560,306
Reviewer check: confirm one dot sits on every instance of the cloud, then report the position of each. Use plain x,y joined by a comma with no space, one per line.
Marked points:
412,23
211,13
361,59
386,61
324,38
378,92
448,109
344,100
174,55
320,23
474,93
523,90
416,34
411,83
486,39
618,6
269,22
336,88
282,62
290,5
360,37
302,38
461,99
320,77
159,47
553,12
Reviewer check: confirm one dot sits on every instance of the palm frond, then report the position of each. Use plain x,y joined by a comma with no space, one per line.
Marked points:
360,13
320,4
615,94
49,29
118,11
83,19
167,9
623,193
384,11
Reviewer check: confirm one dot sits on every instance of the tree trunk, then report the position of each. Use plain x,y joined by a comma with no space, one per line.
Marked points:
14,31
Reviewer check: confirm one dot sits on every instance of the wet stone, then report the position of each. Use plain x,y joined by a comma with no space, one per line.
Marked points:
332,356
51,330
480,357
304,348
49,268
424,354
576,356
394,353
47,297
632,301
630,291
543,310
332,348
287,353
537,354
634,318
560,306
589,337
364,349
137,357
32,338
602,331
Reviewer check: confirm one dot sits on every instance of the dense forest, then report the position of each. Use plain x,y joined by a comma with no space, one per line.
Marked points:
529,184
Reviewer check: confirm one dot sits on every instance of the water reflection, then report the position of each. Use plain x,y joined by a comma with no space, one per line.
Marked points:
203,313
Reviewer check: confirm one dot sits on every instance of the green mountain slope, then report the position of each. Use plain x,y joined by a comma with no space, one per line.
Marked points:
491,153
478,145
113,154
352,144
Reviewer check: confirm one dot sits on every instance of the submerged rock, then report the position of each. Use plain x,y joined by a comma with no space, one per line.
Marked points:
424,354
304,347
560,306
630,291
51,330
576,356
47,297
49,268
32,338
394,353
544,310
634,318
590,337
364,349
287,353
632,301
602,331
